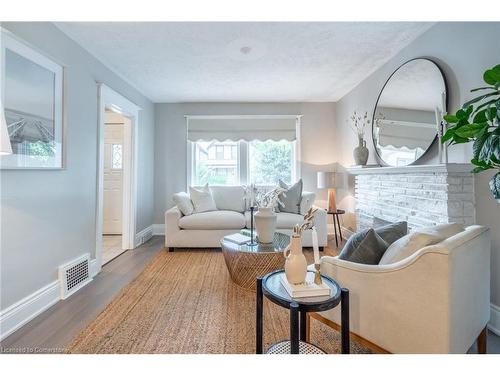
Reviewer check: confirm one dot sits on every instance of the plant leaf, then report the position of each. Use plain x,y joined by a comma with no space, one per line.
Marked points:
480,116
479,98
458,139
470,131
478,145
451,119
483,88
448,135
492,76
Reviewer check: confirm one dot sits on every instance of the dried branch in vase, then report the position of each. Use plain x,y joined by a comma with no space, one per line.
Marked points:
307,224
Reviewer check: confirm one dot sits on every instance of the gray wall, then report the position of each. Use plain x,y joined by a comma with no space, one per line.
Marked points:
463,51
317,142
48,217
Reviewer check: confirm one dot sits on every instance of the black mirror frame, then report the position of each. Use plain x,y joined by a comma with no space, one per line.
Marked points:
380,161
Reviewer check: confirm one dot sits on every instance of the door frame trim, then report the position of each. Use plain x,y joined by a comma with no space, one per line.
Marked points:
108,98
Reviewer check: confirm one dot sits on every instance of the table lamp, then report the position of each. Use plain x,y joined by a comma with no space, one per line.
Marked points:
5,147
327,180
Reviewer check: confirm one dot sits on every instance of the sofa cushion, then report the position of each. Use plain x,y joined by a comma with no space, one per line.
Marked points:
213,220
183,203
284,220
202,199
444,230
370,249
392,232
231,198
409,244
358,240
291,198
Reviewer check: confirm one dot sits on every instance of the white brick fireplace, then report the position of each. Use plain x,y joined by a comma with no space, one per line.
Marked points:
421,195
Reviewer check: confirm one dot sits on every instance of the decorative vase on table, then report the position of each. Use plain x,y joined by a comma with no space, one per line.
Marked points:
296,263
361,152
265,223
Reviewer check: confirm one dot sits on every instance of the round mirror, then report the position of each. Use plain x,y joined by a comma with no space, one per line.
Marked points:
405,120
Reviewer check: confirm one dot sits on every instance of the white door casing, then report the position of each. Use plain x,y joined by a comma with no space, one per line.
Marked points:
110,99
113,173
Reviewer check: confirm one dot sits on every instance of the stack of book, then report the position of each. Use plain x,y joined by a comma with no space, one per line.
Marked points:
237,238
306,289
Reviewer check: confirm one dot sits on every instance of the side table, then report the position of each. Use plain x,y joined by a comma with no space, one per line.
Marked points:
270,286
336,222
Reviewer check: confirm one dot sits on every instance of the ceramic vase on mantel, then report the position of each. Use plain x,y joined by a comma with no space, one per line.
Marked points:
265,223
361,152
296,263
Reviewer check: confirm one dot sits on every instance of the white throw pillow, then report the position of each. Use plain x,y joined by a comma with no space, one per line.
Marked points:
202,199
407,245
184,203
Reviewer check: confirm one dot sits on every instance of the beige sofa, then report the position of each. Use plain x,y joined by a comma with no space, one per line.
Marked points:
437,300
206,229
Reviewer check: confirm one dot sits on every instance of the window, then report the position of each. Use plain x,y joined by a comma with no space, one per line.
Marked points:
214,165
270,161
116,156
234,163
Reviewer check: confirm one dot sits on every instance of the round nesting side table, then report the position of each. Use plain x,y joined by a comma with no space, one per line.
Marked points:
270,286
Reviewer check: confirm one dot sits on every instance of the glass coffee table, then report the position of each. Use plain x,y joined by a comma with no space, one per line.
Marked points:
247,262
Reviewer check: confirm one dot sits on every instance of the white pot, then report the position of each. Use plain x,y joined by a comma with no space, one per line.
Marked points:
265,223
296,263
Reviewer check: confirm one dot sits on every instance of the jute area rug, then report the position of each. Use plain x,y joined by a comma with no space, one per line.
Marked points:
185,302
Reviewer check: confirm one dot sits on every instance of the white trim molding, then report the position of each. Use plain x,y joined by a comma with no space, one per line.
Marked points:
108,98
18,314
158,229
494,323
376,169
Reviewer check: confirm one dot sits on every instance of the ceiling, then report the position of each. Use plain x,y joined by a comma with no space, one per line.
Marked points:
244,62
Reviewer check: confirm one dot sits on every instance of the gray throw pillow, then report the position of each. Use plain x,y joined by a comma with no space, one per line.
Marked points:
370,250
291,198
392,232
352,244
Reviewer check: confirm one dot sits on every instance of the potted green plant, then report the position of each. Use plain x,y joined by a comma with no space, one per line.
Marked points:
478,122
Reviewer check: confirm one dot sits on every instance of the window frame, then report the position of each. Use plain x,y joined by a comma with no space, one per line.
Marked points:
243,163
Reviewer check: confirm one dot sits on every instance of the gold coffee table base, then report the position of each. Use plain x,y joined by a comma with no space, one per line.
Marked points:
245,263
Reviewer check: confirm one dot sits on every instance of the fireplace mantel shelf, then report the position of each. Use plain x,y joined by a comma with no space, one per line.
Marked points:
442,168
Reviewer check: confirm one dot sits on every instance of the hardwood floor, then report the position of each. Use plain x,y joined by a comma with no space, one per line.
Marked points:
53,329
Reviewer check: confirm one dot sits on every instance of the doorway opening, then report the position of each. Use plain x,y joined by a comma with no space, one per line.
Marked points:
116,176
112,223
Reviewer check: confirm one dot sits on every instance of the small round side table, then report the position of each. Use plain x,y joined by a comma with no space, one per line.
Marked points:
270,286
336,222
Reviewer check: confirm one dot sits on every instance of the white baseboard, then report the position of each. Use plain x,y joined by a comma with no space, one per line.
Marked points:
494,323
21,312
158,229
18,314
139,237
94,270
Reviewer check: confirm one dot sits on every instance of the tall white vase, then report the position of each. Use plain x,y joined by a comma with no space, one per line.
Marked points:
296,263
265,223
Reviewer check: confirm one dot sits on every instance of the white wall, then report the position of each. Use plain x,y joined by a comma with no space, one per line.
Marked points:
463,51
48,217
317,141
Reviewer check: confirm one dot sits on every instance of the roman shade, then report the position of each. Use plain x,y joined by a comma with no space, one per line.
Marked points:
410,136
247,128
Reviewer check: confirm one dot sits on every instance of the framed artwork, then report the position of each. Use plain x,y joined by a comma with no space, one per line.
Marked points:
32,97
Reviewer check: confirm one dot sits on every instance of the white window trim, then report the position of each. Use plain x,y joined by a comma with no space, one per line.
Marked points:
243,154
243,163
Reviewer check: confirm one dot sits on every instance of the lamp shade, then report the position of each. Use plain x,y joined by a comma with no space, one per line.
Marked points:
5,147
325,180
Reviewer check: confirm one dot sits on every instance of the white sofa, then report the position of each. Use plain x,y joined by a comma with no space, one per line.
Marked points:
206,229
437,300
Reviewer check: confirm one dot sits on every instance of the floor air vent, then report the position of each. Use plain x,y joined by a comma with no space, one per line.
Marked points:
74,275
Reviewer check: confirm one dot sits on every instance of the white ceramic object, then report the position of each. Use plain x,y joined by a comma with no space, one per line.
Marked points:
296,263
265,223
